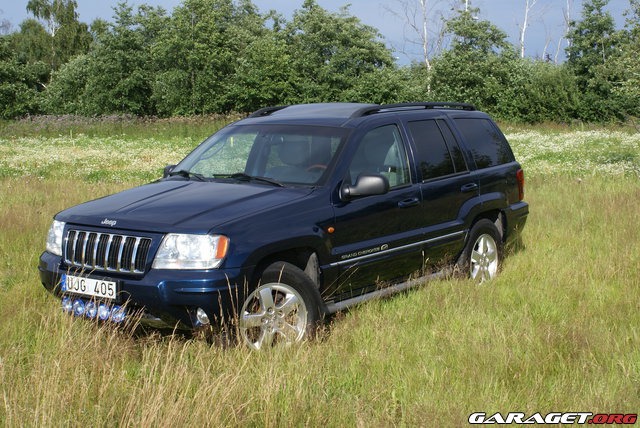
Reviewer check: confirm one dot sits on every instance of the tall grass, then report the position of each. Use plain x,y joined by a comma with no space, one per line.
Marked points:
126,126
558,330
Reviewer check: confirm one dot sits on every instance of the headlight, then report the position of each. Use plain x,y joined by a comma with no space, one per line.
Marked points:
54,238
180,251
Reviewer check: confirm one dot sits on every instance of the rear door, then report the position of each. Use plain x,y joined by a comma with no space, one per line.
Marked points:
494,160
376,238
447,187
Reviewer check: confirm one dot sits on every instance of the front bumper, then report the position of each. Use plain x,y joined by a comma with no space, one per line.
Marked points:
165,296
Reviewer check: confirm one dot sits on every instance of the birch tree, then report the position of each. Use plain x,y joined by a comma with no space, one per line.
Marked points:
528,6
68,36
566,13
425,22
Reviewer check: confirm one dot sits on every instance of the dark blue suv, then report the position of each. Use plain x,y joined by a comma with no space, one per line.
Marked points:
292,213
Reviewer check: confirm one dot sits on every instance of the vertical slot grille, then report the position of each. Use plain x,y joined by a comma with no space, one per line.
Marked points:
106,251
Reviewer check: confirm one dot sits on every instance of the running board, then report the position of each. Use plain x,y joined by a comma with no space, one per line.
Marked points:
383,292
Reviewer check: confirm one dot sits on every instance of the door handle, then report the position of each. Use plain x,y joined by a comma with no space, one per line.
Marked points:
469,187
409,203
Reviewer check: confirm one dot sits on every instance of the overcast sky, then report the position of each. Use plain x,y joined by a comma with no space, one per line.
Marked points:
546,23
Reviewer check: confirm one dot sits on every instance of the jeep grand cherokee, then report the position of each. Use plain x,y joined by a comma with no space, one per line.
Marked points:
292,213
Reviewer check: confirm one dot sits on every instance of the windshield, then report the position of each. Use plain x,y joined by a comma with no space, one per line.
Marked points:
296,154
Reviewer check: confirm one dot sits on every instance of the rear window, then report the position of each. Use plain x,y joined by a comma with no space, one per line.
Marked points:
487,145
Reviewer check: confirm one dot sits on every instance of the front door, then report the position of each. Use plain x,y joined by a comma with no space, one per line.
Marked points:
377,238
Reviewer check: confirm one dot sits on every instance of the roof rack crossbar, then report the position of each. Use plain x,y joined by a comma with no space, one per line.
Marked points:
266,111
384,108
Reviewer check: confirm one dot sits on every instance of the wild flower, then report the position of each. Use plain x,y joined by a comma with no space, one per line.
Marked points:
119,158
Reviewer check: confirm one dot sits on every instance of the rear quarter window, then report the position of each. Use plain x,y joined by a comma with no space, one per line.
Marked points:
487,145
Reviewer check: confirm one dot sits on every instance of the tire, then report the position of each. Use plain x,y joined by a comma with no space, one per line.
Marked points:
482,254
283,309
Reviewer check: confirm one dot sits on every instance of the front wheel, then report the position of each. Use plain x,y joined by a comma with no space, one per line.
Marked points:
482,254
283,309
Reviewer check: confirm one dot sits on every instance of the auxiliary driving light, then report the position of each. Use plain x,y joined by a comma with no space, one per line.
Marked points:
91,310
78,307
117,314
104,312
201,317
67,305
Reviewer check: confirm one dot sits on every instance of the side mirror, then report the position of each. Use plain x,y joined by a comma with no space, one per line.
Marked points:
366,185
167,170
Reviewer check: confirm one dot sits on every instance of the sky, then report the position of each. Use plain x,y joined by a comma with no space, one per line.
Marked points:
546,19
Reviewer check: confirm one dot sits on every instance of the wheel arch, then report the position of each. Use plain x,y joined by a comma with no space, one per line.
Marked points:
497,217
305,258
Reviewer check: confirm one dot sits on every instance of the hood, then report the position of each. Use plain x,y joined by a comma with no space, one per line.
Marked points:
180,206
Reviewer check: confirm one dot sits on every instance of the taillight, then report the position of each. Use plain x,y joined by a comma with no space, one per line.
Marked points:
520,178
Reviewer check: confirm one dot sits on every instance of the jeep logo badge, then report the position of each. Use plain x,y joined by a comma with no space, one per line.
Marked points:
108,222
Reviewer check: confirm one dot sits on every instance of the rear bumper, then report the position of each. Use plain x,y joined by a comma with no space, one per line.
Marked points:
516,216
165,296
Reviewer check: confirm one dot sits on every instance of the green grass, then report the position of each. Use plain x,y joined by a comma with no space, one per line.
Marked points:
558,330
140,154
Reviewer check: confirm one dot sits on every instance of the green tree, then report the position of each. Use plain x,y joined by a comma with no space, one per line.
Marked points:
593,40
196,53
20,83
470,34
120,70
331,52
115,76
481,67
593,48
545,92
263,75
384,85
66,93
624,69
32,42
68,37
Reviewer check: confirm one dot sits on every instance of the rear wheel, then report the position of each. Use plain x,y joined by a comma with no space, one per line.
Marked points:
482,254
283,309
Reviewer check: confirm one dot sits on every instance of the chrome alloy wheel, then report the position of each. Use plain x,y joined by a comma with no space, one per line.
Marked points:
274,313
484,258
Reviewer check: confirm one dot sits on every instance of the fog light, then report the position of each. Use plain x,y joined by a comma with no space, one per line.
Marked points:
67,305
117,314
104,312
78,307
201,317
91,310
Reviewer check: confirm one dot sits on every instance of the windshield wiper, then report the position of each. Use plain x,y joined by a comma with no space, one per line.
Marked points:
243,176
187,174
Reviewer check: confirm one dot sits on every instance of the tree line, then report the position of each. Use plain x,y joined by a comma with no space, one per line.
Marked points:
219,56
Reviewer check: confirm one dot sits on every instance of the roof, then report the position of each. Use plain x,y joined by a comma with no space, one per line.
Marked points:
337,114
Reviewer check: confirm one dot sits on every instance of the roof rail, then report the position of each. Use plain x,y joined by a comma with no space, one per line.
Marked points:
266,111
385,108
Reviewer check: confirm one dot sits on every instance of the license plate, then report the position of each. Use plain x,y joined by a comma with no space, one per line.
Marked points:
89,287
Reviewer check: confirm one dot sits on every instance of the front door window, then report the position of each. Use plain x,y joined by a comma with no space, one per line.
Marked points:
381,152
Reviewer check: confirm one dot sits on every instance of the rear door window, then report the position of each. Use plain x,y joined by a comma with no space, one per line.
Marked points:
438,152
454,148
487,145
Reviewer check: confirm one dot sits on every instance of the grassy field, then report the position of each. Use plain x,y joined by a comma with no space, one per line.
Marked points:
558,330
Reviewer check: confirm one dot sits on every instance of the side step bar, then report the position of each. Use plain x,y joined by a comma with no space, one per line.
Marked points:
333,307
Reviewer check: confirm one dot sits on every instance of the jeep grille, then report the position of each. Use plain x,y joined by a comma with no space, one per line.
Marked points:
106,251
